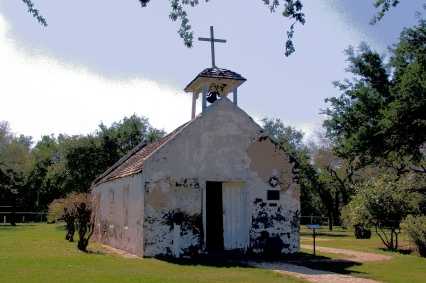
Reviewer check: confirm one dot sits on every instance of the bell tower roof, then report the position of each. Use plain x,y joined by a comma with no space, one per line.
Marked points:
228,79
213,83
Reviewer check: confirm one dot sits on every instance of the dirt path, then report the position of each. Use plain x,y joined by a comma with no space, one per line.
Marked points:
320,276
311,275
352,255
111,250
301,272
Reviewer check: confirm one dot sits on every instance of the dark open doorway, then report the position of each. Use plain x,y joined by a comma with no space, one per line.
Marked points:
214,217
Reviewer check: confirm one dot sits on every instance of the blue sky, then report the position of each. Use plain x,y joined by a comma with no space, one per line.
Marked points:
100,60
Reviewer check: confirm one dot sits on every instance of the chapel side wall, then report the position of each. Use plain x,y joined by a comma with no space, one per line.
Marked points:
119,213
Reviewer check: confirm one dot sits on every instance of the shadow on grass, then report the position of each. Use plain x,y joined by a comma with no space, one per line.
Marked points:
319,263
332,265
216,260
322,263
5,227
325,234
96,252
400,251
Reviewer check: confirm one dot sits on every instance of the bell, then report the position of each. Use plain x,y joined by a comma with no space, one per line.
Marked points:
212,96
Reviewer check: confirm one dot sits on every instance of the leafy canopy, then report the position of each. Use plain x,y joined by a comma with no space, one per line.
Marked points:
380,115
56,166
384,202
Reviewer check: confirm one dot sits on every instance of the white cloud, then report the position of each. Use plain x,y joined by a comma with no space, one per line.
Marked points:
39,95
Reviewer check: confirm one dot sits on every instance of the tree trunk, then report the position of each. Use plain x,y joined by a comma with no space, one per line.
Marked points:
12,219
396,240
82,242
70,226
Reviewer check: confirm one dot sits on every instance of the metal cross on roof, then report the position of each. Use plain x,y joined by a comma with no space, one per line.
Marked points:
212,40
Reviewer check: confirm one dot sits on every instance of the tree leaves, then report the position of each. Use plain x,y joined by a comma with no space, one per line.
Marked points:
380,117
56,166
384,6
384,202
292,9
35,12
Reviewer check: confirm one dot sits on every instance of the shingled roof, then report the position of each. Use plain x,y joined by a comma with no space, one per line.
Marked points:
216,73
133,162
221,73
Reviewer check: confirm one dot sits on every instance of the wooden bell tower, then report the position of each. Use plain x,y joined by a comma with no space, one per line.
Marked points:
213,83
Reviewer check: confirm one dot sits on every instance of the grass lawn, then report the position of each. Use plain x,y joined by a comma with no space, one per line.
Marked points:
401,268
39,253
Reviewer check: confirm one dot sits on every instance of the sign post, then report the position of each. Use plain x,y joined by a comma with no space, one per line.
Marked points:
313,227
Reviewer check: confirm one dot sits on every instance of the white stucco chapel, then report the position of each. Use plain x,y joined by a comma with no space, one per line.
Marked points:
216,184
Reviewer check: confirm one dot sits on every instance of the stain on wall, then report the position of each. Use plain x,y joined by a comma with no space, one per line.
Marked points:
166,202
274,230
270,163
173,225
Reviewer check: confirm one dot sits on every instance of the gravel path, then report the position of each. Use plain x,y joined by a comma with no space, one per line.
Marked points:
111,250
309,274
321,276
352,255
302,272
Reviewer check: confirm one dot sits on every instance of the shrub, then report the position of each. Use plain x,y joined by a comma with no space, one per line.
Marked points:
415,227
56,210
85,221
70,214
76,211
362,232
383,202
356,215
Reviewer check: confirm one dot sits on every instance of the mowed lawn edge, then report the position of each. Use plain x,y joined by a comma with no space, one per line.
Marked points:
39,253
402,268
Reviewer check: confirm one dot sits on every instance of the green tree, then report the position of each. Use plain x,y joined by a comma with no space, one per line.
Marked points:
124,135
379,118
415,227
336,177
31,178
15,163
10,187
384,202
15,150
289,137
82,158
39,192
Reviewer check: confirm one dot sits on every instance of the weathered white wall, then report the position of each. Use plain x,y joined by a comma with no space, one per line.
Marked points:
119,213
223,145
172,224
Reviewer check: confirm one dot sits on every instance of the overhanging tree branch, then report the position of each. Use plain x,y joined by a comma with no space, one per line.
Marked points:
293,10
384,6
35,12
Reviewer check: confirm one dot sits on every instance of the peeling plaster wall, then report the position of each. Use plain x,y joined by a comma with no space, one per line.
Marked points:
173,223
119,213
275,223
223,145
